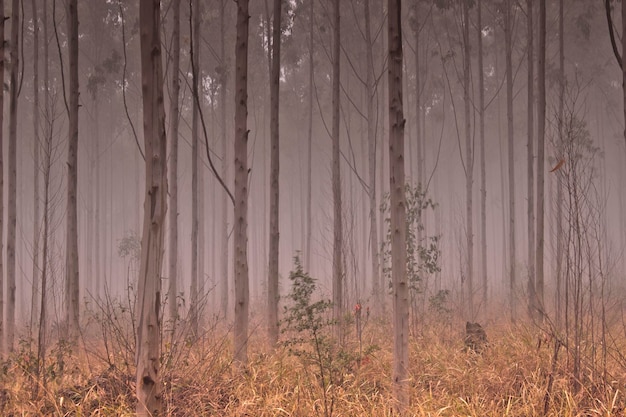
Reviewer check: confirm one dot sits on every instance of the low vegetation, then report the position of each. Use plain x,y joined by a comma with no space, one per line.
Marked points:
514,375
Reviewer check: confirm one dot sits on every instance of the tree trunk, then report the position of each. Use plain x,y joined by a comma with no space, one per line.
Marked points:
469,163
336,180
2,317
531,160
559,189
309,162
541,121
149,400
12,195
483,173
36,168
508,25
173,171
224,226
242,291
377,291
71,260
272,282
195,155
398,211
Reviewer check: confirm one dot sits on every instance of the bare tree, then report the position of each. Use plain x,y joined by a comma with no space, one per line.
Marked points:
483,174
336,179
242,290
173,168
541,121
12,194
508,39
224,225
272,281
309,161
2,317
398,212
36,169
149,399
531,157
194,47
71,254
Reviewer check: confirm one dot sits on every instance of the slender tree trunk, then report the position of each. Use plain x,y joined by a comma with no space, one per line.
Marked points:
71,261
469,163
173,171
12,195
149,399
195,225
398,210
309,161
511,154
336,179
532,301
241,186
224,226
483,173
559,189
272,283
2,294
541,120
36,168
377,291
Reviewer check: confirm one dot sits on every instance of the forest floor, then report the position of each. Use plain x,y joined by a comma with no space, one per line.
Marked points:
521,372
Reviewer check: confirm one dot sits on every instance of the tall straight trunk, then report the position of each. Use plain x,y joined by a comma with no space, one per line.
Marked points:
469,163
47,168
377,291
2,317
173,168
149,398
508,27
398,211
559,189
483,173
195,155
336,180
224,225
12,195
541,122
309,160
272,281
36,168
531,159
418,101
242,290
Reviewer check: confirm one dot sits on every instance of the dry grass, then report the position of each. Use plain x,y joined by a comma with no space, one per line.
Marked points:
510,378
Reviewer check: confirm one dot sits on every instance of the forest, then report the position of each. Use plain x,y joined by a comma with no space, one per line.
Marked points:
313,207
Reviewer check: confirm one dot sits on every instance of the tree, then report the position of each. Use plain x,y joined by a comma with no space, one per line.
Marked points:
508,39
71,251
272,282
531,157
36,169
309,161
398,212
12,194
242,290
224,225
483,174
173,169
336,178
149,400
2,317
541,122
194,48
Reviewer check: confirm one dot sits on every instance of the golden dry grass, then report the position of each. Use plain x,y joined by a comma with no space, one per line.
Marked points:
510,378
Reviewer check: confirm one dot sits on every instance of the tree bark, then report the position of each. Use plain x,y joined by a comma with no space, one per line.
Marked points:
12,194
149,400
242,291
336,179
71,261
309,161
224,226
483,173
272,284
398,210
377,290
173,169
559,189
195,155
2,294
469,164
35,285
511,154
541,121
531,159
